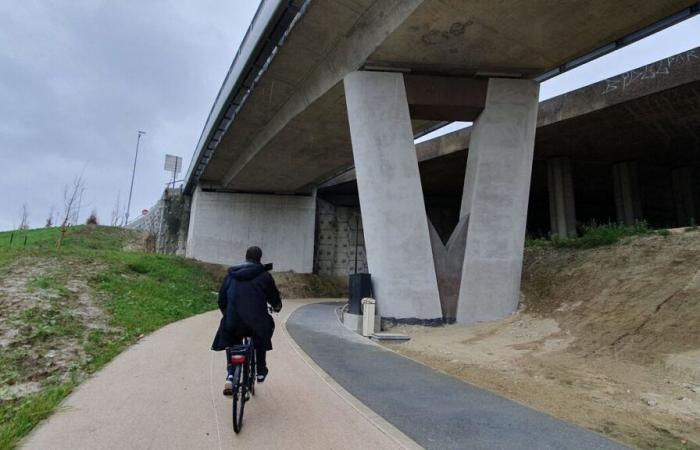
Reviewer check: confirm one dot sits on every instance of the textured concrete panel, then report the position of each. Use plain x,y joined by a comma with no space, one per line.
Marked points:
223,225
391,199
338,228
497,184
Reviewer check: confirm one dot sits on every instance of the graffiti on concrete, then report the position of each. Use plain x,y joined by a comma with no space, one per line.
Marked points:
649,72
435,37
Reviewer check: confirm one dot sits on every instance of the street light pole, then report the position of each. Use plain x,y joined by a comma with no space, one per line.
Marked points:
133,172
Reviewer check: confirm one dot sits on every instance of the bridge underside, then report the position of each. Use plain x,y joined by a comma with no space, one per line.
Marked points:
352,85
292,131
660,133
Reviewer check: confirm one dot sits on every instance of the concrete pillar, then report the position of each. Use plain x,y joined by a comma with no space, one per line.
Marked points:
223,225
391,198
496,191
683,196
628,204
562,207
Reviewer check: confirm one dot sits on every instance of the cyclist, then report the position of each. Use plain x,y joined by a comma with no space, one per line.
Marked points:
243,299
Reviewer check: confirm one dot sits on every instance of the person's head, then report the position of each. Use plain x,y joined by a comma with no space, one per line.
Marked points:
253,254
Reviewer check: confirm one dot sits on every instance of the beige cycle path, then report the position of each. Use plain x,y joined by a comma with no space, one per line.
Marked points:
165,393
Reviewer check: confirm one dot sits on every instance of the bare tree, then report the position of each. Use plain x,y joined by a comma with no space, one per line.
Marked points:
117,216
49,219
70,200
23,221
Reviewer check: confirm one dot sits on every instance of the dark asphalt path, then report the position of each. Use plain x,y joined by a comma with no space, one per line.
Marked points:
437,411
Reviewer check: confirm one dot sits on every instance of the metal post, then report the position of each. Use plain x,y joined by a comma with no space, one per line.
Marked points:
357,232
133,172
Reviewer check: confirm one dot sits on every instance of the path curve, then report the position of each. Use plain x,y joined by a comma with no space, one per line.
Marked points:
436,410
165,393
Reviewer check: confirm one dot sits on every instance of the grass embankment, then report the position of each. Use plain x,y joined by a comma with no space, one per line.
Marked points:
64,314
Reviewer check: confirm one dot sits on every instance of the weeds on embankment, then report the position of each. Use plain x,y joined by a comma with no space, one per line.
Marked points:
596,235
65,313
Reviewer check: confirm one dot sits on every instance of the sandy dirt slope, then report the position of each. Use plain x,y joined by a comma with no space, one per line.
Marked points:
607,338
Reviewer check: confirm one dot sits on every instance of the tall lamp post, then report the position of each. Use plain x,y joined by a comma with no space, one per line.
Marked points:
133,172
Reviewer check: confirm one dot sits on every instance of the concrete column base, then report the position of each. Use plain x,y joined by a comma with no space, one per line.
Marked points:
684,196
562,207
628,204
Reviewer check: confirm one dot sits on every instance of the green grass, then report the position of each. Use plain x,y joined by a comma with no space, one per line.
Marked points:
140,292
596,235
18,417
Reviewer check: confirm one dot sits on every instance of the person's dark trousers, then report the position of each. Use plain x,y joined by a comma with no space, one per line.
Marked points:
229,366
260,361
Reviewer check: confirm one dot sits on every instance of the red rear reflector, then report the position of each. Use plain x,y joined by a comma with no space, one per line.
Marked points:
238,359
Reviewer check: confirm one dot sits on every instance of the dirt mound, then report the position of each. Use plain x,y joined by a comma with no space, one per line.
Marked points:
608,338
297,285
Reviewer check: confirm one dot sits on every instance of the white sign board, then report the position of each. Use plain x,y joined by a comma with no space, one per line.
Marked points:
173,163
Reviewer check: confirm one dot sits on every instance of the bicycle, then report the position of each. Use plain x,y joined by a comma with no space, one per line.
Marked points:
242,357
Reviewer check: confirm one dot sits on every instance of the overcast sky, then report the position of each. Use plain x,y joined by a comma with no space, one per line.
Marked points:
79,78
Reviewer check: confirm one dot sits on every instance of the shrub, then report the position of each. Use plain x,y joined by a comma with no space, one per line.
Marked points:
92,220
595,235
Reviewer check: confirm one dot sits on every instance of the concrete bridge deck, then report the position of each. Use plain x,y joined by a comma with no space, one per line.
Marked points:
286,117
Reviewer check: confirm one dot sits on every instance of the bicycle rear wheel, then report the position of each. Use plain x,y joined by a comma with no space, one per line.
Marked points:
239,394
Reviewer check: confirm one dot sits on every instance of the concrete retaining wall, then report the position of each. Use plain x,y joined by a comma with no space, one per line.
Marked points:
223,225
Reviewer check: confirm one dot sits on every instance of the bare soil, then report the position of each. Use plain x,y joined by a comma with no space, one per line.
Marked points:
608,338
45,306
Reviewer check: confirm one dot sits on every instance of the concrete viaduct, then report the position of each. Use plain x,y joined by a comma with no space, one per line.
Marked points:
647,119
321,86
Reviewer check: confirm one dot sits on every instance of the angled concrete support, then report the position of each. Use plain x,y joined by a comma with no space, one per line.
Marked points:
223,225
495,197
628,204
391,199
448,266
562,207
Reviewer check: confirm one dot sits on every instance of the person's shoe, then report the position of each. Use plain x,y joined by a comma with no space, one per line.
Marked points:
260,377
228,385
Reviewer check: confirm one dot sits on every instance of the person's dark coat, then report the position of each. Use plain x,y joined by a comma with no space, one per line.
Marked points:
243,300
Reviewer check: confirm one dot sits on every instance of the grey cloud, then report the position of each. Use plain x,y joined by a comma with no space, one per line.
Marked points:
79,78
